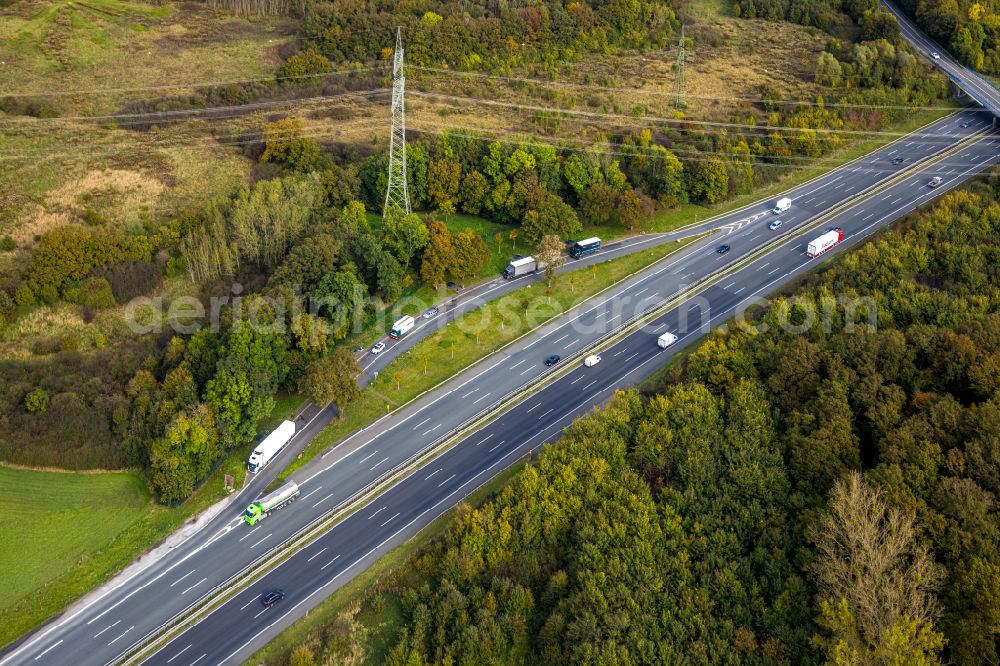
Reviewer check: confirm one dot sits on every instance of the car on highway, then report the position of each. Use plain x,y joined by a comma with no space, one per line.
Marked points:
722,249
936,55
934,182
430,313
592,360
774,225
378,348
897,160
552,360
270,598
966,123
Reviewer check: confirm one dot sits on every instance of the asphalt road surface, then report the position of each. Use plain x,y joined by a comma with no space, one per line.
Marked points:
98,630
975,85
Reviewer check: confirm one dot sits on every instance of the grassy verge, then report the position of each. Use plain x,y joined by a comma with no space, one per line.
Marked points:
364,593
472,337
79,530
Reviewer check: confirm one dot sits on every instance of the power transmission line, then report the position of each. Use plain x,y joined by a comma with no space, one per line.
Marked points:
181,86
645,121
395,193
661,93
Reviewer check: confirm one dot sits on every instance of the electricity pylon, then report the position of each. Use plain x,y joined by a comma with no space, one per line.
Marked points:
679,78
395,193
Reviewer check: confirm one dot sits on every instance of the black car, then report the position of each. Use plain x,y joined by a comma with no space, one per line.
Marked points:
723,249
272,597
552,360
966,123
897,160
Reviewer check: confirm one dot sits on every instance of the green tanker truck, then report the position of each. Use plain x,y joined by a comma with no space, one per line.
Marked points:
259,510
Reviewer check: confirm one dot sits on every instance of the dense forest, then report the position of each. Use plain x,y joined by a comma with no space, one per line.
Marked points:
826,495
172,402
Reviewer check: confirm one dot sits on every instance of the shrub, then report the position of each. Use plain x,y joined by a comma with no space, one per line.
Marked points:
37,401
93,294
7,243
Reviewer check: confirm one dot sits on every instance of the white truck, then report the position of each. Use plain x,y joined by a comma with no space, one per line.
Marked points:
783,204
271,446
592,360
518,267
666,340
260,509
401,327
821,244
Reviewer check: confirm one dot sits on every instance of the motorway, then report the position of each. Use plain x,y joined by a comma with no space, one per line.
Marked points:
98,630
975,85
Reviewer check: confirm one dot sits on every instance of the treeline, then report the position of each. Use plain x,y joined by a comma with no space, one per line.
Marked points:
969,29
483,35
800,490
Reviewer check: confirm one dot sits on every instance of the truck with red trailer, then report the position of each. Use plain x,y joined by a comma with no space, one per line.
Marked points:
824,243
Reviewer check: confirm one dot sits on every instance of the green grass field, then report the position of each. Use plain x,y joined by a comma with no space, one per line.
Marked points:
52,521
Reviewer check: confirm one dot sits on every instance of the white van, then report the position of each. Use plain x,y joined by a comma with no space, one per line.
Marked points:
666,340
783,204
934,182
592,360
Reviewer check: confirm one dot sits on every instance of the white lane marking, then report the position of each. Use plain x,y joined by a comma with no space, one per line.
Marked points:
484,439
535,407
316,555
529,369
449,478
576,380
249,534
763,266
570,344
497,446
546,414
775,270
623,350
560,339
376,513
319,488
369,456
266,608
739,290
390,520
204,579
181,652
418,425
469,393
329,563
262,540
244,607
322,500
107,628
589,385
189,573
427,432
381,461
639,293
123,634
631,357
517,364
482,397
896,201
51,647
428,477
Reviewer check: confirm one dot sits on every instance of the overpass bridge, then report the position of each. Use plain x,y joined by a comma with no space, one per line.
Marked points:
975,86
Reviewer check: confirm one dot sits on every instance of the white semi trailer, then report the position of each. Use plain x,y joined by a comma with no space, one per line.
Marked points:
271,446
